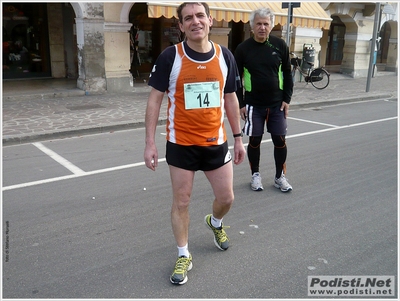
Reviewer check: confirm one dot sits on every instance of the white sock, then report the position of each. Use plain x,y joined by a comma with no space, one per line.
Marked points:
216,222
183,251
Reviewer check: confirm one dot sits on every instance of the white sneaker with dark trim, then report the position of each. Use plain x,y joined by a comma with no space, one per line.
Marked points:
255,183
283,184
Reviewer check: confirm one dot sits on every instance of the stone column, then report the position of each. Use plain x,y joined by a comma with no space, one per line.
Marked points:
356,54
56,40
90,42
117,57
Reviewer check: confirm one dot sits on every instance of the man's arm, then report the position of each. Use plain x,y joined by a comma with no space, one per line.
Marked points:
239,62
288,81
287,75
232,113
151,120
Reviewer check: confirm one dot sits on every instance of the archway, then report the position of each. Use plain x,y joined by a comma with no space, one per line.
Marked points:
384,35
387,53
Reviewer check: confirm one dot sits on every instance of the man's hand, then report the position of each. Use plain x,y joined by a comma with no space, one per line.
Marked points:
239,151
243,113
151,156
285,108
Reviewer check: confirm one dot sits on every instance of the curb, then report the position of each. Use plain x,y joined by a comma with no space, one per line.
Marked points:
39,96
65,94
69,133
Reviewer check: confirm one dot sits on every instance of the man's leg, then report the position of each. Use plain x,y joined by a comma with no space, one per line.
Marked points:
277,126
280,154
221,180
182,184
254,128
253,153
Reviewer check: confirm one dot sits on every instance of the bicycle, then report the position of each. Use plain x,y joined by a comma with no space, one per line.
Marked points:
318,77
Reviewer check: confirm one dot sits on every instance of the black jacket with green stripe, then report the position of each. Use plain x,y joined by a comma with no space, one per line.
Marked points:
266,72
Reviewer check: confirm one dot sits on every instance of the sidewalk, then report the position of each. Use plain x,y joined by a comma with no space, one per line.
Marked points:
49,108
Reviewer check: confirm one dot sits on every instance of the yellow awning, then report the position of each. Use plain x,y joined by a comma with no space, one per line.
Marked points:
309,14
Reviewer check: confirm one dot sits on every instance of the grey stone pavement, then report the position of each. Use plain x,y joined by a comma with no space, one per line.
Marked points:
43,109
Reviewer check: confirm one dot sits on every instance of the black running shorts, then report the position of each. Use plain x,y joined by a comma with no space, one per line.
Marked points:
257,118
195,157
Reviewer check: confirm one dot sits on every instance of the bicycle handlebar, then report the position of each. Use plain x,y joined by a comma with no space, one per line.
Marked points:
298,63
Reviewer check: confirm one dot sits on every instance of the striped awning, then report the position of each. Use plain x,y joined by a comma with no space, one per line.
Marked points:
309,14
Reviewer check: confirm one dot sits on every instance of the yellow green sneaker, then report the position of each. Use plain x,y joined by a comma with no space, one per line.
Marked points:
221,240
182,266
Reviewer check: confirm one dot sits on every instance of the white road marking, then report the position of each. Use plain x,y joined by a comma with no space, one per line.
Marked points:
88,173
314,122
56,157
99,171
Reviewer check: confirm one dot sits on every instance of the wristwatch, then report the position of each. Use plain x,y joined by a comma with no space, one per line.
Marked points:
238,135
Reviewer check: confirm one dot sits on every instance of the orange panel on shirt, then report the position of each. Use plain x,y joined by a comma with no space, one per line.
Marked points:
200,126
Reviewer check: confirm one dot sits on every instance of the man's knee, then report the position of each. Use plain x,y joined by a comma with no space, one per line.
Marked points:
255,141
225,200
278,140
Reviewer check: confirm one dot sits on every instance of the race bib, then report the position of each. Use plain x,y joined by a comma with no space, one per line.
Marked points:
202,95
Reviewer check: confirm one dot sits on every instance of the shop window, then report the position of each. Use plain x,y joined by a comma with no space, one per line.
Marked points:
25,40
145,46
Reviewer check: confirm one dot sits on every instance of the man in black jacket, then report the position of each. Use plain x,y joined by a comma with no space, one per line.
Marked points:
264,64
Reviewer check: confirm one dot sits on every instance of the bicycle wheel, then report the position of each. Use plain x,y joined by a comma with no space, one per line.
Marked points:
319,78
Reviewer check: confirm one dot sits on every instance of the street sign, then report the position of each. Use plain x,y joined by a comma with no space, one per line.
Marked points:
292,4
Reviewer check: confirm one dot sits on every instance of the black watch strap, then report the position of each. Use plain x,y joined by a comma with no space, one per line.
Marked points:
238,135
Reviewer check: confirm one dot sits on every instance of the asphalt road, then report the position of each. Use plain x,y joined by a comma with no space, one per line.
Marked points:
77,222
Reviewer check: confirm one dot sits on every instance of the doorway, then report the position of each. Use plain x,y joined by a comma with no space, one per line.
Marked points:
337,32
383,49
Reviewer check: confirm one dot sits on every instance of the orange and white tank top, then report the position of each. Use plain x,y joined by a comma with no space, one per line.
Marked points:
195,99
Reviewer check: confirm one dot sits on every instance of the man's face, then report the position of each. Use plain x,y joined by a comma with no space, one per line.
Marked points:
261,28
195,22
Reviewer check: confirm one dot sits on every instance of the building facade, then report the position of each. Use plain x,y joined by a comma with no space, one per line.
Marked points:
348,40
107,46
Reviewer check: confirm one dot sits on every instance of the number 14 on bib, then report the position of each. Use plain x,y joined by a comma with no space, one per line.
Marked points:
202,95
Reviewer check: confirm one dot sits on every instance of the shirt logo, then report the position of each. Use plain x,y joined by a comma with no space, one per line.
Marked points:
153,70
228,157
201,67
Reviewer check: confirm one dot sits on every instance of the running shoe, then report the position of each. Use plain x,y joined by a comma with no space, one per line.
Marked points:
255,183
283,184
221,240
182,266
